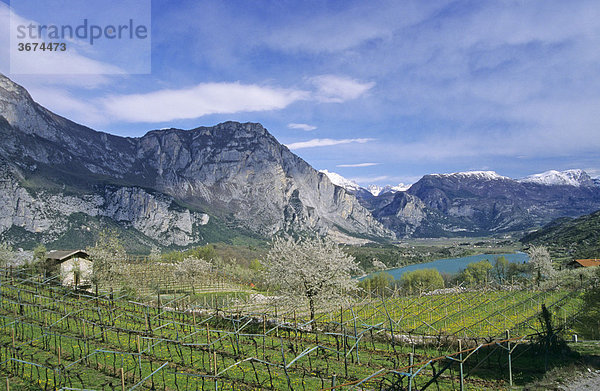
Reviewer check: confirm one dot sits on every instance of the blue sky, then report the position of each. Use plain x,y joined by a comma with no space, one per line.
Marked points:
378,91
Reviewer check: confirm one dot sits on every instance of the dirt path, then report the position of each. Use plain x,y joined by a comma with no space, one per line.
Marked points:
585,382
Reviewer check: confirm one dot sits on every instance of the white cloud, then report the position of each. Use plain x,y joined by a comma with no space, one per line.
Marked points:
593,172
59,101
337,89
227,98
203,99
333,30
70,62
358,165
327,142
305,127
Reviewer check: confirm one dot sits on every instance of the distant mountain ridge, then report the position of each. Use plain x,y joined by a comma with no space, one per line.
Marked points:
230,177
485,203
561,178
481,202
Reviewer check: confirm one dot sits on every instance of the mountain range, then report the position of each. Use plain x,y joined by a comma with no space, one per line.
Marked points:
479,203
61,182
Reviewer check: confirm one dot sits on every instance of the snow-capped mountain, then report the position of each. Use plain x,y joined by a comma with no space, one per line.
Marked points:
340,181
353,187
480,175
483,203
378,190
560,178
476,202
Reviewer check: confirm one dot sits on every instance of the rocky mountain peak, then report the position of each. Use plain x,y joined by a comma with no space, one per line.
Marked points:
237,173
10,89
575,178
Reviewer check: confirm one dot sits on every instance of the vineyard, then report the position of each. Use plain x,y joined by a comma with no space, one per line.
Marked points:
57,338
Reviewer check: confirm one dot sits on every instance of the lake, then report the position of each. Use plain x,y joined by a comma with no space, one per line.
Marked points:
454,265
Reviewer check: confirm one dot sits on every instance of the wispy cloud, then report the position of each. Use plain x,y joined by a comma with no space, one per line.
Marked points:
593,172
227,98
304,127
337,89
203,99
358,165
336,29
78,110
327,142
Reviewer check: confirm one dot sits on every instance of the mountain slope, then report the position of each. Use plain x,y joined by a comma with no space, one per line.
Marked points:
236,173
479,203
571,238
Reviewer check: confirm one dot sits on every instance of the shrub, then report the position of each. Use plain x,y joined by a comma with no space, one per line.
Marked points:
422,280
476,273
377,282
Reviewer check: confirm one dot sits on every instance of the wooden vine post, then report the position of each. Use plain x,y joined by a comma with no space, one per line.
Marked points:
460,363
344,340
510,378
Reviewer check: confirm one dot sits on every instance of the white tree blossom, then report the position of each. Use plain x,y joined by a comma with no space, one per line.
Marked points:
155,255
192,269
311,269
6,254
378,265
540,263
108,255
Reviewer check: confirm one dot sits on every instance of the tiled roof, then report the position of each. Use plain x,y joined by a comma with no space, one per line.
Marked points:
60,255
588,262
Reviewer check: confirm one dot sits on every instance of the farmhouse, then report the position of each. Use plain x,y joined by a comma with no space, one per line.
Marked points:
73,266
585,263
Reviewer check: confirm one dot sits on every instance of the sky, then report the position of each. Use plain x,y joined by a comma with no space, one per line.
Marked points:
381,92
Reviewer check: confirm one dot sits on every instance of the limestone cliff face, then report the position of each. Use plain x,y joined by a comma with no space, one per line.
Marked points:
47,212
236,172
242,169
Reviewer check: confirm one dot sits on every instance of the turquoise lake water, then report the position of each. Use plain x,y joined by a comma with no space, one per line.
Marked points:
454,265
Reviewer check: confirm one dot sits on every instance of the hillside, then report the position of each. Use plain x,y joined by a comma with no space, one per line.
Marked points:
570,238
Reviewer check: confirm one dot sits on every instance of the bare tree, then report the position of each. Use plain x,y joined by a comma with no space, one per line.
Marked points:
540,263
311,269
